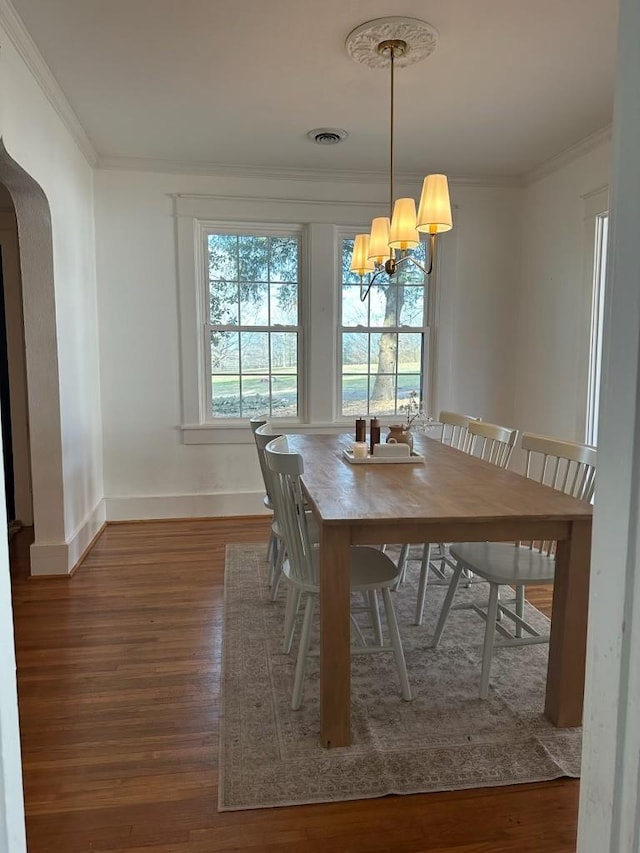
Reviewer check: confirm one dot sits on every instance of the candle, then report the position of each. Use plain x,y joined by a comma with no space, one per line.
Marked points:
359,450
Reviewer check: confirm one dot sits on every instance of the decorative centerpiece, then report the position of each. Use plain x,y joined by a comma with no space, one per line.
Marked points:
415,418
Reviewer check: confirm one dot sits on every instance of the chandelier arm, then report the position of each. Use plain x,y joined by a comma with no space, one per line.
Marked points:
390,268
427,268
376,275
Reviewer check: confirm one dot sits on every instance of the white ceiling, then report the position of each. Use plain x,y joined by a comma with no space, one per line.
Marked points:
240,82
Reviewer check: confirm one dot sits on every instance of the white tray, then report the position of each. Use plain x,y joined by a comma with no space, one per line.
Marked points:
413,459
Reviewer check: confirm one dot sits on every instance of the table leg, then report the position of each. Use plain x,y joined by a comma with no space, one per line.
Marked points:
568,642
335,636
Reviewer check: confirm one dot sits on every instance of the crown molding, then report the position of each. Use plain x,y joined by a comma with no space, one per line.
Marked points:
31,56
276,173
567,156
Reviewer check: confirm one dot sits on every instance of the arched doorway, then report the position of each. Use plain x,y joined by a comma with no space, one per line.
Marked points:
13,375
33,222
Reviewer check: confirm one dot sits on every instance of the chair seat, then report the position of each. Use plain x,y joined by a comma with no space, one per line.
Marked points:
503,563
370,569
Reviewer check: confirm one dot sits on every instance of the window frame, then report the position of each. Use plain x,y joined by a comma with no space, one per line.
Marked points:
251,230
427,367
597,325
595,204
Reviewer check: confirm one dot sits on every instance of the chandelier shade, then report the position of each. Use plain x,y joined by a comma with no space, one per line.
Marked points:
379,250
403,233
360,263
434,210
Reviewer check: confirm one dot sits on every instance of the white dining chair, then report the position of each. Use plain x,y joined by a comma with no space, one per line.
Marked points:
255,423
371,571
494,444
455,433
563,465
263,434
455,429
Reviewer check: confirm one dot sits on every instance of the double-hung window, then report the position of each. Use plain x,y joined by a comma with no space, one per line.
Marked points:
252,333
383,340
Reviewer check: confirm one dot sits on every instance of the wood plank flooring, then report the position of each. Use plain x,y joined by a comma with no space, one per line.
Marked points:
119,687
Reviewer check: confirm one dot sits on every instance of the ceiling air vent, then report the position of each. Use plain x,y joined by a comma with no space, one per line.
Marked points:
327,135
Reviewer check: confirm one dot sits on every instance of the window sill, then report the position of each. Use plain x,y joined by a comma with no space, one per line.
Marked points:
240,432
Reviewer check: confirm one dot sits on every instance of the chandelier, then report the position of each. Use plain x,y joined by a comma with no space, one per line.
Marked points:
392,42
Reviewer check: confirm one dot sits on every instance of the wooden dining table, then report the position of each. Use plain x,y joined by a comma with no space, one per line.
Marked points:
449,497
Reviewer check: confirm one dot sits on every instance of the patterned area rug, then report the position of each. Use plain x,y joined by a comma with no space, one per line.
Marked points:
445,739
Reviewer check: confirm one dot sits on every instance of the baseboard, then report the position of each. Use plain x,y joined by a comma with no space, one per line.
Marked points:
55,559
62,558
143,508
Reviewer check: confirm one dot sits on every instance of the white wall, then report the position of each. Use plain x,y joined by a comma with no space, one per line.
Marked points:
478,298
148,470
62,350
555,297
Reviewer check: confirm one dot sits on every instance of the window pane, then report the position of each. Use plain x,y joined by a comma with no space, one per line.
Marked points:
384,352
355,351
406,385
254,304
383,305
225,396
355,394
255,395
283,259
411,304
382,394
223,256
253,256
254,349
225,353
284,396
284,304
223,303
284,352
354,312
409,353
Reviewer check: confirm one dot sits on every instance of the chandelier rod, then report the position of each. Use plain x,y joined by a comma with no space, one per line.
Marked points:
392,54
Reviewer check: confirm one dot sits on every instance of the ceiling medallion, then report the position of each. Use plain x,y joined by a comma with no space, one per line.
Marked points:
419,37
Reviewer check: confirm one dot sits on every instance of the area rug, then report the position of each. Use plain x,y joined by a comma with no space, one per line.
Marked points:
446,738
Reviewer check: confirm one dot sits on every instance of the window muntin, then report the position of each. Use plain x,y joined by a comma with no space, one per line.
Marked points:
253,332
382,342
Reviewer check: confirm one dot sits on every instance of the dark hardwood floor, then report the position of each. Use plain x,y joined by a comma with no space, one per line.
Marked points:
119,680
